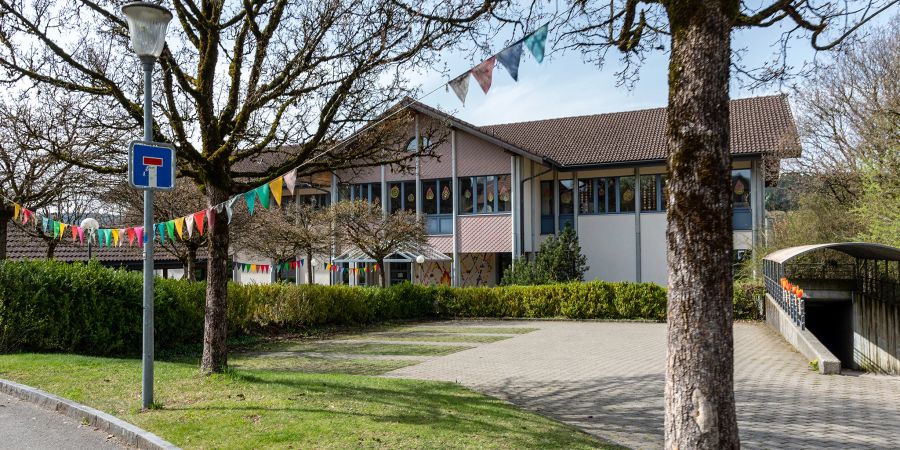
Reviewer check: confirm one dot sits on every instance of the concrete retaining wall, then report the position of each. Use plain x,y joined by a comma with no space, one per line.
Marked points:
804,341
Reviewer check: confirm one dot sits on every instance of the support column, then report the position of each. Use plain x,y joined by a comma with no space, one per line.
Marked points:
515,177
555,202
384,192
334,200
576,201
535,210
455,181
418,171
637,225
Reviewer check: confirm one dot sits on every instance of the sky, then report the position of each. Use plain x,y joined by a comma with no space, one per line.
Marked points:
566,85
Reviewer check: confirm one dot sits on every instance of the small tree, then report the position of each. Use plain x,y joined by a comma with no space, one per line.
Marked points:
282,234
558,261
376,233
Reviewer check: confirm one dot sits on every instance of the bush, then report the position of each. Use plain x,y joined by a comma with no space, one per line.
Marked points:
558,261
746,298
89,309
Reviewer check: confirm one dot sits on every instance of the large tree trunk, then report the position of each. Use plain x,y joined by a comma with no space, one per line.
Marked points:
215,333
51,248
309,269
381,274
699,393
5,216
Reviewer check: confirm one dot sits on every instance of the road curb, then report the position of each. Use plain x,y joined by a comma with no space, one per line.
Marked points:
119,428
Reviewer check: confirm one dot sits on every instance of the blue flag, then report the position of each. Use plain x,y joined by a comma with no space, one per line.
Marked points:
536,42
250,196
510,58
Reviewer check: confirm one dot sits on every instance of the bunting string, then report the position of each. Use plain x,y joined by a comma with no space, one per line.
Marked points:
176,228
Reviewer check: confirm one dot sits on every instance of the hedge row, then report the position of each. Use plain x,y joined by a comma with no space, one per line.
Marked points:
53,306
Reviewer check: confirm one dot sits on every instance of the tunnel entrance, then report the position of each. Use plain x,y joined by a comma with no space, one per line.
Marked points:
831,321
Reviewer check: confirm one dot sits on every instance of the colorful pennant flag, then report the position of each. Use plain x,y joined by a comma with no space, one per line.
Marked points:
510,58
62,230
80,234
139,234
161,229
484,73
198,221
229,207
250,197
74,231
211,218
189,224
170,228
263,193
16,209
290,180
536,42
115,236
46,225
276,186
460,86
179,227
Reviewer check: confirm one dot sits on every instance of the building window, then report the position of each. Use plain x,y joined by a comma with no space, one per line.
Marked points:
395,197
664,183
445,196
467,199
485,195
504,193
586,203
626,192
437,204
411,143
740,188
430,202
409,196
547,222
314,200
566,197
649,193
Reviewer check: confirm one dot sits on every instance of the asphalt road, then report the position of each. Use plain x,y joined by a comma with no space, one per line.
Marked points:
26,426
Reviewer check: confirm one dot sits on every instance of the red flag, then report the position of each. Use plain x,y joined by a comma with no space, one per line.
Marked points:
198,220
484,73
131,237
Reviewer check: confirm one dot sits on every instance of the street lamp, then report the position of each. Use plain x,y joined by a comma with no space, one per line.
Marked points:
91,226
147,25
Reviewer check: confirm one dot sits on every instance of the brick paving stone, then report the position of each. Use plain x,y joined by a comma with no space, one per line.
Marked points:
607,379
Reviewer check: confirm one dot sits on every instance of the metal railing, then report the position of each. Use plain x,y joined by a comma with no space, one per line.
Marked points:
792,305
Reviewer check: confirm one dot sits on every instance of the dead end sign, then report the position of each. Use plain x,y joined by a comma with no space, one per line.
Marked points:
151,165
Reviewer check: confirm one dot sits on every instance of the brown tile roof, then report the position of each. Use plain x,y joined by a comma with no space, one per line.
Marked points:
758,125
20,246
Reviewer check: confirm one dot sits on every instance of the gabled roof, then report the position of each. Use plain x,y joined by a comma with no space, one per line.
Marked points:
758,125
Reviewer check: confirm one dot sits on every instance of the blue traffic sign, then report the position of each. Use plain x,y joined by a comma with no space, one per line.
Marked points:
151,165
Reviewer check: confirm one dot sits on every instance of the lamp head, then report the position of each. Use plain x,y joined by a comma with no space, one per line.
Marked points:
90,224
420,259
147,23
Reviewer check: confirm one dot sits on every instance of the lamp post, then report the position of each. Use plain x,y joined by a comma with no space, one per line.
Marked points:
91,226
147,25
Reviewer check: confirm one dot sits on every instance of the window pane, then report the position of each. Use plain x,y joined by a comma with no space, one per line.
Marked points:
504,193
465,200
585,197
566,200
601,193
490,193
479,197
626,194
375,191
344,192
740,188
395,196
648,193
409,195
430,202
665,191
546,198
446,196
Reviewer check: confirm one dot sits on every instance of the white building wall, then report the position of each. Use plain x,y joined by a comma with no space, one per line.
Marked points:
608,241
654,268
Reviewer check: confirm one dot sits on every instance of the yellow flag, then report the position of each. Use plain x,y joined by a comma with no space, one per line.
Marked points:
275,187
253,268
115,234
62,229
179,227
17,207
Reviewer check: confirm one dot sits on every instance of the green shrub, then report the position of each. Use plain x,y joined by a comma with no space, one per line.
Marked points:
89,309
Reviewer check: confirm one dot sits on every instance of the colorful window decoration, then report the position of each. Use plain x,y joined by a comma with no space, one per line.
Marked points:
395,192
445,193
429,195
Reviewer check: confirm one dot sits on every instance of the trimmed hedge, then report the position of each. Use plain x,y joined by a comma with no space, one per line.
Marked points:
89,309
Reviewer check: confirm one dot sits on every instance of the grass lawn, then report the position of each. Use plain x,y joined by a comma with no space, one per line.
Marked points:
249,408
361,348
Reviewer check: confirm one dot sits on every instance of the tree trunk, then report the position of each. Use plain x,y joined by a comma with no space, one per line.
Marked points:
190,264
381,275
309,269
699,393
5,216
215,349
51,248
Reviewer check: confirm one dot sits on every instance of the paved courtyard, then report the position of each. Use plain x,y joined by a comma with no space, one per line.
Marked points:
607,379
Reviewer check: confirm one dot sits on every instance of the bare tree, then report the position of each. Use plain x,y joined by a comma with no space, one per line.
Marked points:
32,128
237,80
283,234
699,394
378,235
